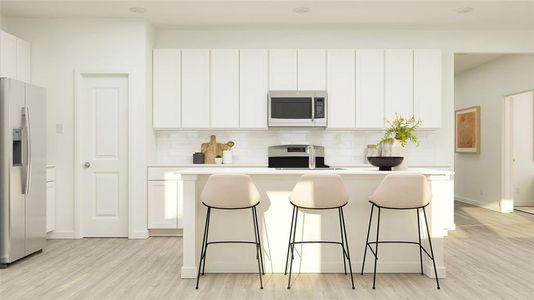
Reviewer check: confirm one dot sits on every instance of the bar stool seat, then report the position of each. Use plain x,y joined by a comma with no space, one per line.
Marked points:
230,192
321,192
401,192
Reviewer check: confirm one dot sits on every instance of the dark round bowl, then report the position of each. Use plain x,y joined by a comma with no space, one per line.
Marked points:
385,163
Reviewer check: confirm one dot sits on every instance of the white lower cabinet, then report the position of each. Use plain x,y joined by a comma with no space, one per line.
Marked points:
50,199
164,199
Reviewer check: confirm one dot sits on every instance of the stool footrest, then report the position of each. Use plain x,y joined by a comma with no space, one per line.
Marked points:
231,242
397,242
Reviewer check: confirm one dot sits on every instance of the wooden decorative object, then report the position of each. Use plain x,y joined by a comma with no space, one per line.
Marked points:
214,149
468,130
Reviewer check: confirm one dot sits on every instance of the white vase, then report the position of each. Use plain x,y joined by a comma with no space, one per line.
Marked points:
227,157
398,150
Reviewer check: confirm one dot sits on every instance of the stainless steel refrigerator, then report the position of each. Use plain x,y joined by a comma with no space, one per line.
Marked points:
22,170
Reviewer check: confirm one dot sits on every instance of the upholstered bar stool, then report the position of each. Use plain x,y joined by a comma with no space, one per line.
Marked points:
230,192
321,192
401,192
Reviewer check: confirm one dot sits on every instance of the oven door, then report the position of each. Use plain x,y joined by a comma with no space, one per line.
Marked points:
291,109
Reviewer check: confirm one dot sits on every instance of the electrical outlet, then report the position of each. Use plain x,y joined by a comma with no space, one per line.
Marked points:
517,191
59,128
481,192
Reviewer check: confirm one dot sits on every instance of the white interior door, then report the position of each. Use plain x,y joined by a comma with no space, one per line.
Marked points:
103,155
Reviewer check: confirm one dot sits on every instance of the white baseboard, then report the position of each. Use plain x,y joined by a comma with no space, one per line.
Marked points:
491,206
523,203
139,235
60,235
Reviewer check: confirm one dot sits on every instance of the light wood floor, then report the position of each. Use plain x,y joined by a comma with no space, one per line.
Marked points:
489,256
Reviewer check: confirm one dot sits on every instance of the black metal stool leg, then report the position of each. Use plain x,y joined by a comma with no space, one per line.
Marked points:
367,239
260,254
294,230
206,247
257,245
431,250
420,245
347,244
342,241
202,247
376,248
290,235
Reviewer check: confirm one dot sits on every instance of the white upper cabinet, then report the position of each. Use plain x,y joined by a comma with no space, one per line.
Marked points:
195,88
370,89
15,57
166,101
427,87
399,83
23,61
311,70
283,69
8,54
224,89
341,89
253,87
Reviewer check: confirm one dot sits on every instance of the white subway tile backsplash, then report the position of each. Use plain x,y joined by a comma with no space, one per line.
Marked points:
341,147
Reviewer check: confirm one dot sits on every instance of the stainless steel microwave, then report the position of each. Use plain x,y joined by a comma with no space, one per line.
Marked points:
297,108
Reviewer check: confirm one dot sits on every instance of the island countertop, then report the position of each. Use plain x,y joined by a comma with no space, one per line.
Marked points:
282,171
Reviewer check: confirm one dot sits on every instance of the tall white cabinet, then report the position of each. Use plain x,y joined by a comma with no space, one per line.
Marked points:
370,93
341,89
427,87
195,88
399,83
167,92
224,87
15,57
253,88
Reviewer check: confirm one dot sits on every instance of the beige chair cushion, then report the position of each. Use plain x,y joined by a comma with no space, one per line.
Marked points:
402,191
319,191
230,191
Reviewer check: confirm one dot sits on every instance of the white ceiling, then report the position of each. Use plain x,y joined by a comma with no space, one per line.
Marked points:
244,14
464,62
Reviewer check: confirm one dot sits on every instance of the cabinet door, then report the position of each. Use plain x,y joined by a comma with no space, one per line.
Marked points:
399,83
8,55
341,89
253,88
427,87
370,89
283,69
311,72
195,88
166,80
23,61
224,89
162,204
50,206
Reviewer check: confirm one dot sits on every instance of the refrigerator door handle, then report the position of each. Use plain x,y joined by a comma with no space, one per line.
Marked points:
28,161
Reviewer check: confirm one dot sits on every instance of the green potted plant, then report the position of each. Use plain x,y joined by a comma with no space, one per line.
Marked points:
400,131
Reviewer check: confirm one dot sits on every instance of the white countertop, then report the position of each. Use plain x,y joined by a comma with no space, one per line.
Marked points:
273,171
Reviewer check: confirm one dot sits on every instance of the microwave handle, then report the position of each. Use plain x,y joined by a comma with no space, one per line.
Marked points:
313,109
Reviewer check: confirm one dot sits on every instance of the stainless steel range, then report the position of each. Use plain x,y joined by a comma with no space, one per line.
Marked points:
297,157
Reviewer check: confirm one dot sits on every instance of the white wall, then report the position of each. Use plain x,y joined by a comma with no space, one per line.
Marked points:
61,46
478,177
342,147
523,149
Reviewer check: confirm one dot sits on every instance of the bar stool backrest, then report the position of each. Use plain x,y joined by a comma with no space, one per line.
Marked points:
319,191
230,191
402,191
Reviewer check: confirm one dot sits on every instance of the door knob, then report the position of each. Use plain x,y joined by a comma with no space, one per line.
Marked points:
87,165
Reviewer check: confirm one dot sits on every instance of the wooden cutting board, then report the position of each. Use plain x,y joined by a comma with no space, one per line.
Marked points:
214,149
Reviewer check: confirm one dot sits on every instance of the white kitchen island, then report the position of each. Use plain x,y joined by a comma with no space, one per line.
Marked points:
274,214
